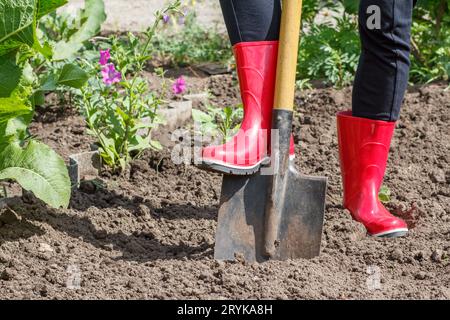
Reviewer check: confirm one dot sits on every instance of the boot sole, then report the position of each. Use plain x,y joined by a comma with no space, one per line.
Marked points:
395,233
233,170
226,168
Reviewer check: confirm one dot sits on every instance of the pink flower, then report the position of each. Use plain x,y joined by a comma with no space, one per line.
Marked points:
110,75
166,18
104,57
179,86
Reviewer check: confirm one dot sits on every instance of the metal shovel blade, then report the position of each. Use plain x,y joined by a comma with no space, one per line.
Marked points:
241,221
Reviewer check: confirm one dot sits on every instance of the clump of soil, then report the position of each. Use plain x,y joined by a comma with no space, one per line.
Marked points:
150,234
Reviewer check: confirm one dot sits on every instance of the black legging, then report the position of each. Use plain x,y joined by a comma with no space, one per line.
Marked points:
383,69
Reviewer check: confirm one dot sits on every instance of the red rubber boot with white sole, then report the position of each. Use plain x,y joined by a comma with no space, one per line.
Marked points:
244,153
363,148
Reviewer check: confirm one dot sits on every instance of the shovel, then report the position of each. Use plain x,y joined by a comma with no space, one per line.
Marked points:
278,212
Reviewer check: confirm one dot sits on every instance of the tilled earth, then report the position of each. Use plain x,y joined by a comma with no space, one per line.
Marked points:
149,234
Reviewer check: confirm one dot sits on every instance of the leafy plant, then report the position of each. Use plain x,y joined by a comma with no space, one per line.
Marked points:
385,194
89,21
35,166
218,122
67,35
330,52
119,107
191,43
431,41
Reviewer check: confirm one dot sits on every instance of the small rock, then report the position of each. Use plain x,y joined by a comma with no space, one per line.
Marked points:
420,275
10,217
143,210
8,274
338,97
307,120
42,290
204,275
436,256
46,256
4,258
133,284
88,187
325,139
109,247
397,255
437,176
45,247
78,130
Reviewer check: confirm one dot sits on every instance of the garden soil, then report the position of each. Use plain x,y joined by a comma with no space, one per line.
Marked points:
149,234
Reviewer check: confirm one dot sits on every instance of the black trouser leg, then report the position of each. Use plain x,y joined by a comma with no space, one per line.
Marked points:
252,20
383,71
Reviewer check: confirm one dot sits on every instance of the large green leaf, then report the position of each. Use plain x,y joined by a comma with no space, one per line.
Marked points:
12,107
17,23
73,76
18,20
9,75
15,129
93,16
47,6
37,168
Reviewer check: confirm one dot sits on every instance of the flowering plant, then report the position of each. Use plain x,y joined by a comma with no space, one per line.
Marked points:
119,107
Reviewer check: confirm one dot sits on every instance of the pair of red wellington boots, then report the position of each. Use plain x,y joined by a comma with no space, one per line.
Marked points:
363,143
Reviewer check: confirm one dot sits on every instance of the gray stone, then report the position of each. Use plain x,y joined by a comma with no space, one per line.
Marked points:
397,255
437,176
436,256
82,165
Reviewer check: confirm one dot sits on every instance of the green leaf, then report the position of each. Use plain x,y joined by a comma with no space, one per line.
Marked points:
17,18
49,83
93,16
15,129
385,194
37,168
12,107
38,98
200,116
351,6
9,75
18,21
48,6
156,145
73,76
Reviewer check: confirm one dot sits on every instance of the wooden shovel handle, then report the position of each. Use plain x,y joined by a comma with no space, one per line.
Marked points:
287,54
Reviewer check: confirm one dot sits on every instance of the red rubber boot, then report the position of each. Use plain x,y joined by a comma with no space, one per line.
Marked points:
245,152
363,148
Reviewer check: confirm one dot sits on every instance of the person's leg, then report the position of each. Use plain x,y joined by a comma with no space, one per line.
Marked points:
365,133
253,27
252,20
383,71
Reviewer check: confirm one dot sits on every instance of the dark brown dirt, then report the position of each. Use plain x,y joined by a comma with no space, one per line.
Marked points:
150,234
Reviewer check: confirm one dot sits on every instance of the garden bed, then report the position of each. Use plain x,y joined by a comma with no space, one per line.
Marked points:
150,233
